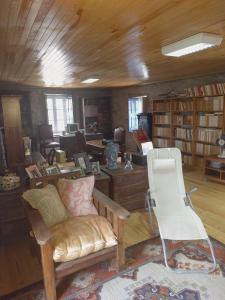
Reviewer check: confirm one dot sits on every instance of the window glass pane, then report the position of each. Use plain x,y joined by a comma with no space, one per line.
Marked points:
50,114
59,103
49,103
135,106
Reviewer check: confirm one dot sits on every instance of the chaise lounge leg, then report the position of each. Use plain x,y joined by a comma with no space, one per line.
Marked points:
48,272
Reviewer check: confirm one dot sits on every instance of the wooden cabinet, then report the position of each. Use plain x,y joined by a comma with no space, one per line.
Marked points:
12,216
11,122
128,187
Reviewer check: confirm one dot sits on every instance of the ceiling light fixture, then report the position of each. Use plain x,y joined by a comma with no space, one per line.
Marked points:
89,80
192,44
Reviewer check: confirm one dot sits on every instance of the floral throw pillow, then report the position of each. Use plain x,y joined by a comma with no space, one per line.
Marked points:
77,195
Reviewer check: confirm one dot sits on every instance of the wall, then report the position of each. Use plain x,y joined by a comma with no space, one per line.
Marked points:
36,98
120,98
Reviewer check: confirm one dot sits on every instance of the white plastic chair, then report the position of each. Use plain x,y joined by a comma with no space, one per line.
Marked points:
172,206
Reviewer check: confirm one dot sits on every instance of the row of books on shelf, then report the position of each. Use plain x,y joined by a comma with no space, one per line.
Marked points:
161,105
211,120
183,133
161,143
208,135
183,146
162,131
204,149
206,90
182,120
210,104
162,119
186,105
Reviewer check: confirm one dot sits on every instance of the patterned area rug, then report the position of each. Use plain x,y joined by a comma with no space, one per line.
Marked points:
145,277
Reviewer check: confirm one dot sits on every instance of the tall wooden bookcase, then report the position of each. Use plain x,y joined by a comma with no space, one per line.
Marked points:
192,124
10,120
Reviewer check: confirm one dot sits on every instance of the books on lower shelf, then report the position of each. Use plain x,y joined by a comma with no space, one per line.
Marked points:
161,143
206,90
187,159
208,135
183,146
162,131
183,133
210,104
211,120
163,119
204,149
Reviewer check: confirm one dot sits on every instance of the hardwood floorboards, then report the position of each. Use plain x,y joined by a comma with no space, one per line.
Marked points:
19,268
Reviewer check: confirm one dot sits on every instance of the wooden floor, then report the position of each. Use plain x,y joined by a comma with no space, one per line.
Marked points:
209,202
19,268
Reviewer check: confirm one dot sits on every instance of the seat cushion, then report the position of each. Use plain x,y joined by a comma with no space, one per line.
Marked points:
77,195
48,203
80,236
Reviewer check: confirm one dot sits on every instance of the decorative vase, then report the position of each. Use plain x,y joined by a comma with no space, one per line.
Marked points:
111,154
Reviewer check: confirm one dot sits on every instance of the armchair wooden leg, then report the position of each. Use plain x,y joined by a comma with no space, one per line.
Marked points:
48,272
121,246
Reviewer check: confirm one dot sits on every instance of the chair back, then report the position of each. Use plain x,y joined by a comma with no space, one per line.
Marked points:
45,132
81,142
166,180
119,135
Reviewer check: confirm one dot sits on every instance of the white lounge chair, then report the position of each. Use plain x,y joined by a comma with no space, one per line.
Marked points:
172,206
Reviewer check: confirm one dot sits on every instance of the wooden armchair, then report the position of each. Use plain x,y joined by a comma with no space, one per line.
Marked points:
52,271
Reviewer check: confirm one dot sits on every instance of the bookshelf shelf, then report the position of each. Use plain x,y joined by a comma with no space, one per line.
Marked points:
192,124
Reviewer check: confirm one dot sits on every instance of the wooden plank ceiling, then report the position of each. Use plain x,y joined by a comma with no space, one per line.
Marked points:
61,42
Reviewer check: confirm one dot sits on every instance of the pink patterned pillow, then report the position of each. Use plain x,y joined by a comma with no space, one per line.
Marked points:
77,195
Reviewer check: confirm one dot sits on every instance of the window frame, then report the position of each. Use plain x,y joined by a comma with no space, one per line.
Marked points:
54,109
130,128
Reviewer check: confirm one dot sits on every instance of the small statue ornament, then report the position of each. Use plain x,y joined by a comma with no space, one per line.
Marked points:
111,154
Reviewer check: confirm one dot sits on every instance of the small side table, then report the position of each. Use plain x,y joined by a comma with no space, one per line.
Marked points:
128,187
215,168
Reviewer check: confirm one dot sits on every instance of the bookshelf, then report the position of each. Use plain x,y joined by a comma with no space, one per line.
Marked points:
193,124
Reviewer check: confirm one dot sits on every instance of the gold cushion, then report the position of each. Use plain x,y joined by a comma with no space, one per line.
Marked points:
49,204
80,236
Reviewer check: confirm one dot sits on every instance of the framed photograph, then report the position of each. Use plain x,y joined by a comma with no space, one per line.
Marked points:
95,167
81,160
33,171
52,170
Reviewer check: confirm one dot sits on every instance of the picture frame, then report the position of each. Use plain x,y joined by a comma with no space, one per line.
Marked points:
33,171
81,160
95,167
52,170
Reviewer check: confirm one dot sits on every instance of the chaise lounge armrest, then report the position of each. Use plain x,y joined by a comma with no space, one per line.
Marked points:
111,205
40,229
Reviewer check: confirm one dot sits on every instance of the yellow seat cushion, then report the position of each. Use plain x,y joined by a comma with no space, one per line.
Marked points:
80,236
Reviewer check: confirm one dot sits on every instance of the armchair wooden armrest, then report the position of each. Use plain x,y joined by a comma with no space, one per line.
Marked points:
40,230
101,200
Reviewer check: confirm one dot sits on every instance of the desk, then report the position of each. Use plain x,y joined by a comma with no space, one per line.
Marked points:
96,145
128,187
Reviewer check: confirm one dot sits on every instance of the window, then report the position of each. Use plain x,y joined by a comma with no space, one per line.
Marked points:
135,106
60,112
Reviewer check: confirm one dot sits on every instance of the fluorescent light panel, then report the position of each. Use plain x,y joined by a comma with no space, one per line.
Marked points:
192,44
90,80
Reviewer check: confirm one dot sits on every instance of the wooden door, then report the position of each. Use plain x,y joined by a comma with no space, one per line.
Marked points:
13,129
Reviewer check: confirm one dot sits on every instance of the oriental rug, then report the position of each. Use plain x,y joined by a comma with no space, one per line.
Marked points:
145,276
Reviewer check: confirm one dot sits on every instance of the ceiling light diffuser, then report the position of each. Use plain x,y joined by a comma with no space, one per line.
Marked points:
192,44
90,80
